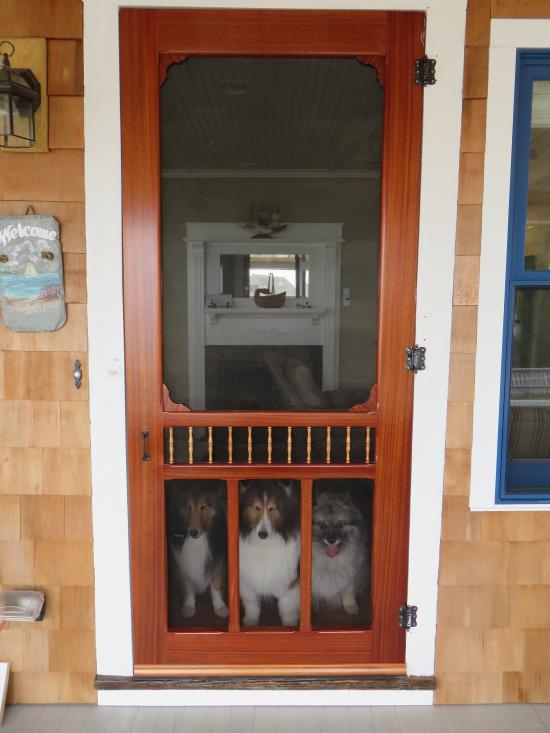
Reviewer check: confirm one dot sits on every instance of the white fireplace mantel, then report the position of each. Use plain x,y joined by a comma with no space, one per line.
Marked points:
245,324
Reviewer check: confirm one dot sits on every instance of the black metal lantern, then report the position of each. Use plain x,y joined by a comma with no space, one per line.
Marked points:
19,100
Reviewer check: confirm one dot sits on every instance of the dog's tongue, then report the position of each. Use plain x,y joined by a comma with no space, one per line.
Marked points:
332,550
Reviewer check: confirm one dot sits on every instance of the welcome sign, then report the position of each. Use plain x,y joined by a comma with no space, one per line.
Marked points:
32,297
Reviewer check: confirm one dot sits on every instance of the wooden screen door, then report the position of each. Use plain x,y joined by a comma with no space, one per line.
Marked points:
180,448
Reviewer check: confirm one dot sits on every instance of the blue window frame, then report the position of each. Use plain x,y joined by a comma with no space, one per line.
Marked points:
523,468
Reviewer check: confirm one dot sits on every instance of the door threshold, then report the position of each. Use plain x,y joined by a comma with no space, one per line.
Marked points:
167,678
269,670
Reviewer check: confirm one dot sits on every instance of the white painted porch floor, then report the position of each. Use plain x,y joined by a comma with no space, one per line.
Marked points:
444,719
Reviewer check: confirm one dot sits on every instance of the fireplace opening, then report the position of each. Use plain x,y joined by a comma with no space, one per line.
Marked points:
262,378
286,378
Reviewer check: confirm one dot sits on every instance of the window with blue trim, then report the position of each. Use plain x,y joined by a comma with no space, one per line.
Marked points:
524,453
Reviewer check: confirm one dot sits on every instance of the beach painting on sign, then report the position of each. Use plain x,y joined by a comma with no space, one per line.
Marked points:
32,296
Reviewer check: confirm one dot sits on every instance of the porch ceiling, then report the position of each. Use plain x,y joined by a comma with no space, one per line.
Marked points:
272,114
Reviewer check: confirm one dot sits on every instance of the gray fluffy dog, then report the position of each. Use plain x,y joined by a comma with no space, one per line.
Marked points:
340,564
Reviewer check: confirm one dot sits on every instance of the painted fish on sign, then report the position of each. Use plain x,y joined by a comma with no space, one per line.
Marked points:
32,296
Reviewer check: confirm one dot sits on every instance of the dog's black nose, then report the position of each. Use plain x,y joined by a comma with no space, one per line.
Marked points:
194,532
262,534
331,539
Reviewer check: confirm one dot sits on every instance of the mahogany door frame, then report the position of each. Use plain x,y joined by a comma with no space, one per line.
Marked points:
144,35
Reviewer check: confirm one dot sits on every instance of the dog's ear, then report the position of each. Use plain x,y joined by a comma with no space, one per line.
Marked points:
221,495
179,493
320,498
345,497
286,486
244,486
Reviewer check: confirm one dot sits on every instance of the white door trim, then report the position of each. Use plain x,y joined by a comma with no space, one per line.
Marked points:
439,187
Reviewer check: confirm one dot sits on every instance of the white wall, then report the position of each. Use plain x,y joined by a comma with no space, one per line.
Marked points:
442,111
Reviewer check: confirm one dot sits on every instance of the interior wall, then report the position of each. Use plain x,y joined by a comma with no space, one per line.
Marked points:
493,627
45,502
354,202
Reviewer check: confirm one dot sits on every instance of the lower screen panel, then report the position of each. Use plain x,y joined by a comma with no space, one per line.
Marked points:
341,553
269,548
269,553
197,554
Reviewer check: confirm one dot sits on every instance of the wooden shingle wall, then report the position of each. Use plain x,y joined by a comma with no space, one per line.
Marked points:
493,632
494,600
45,501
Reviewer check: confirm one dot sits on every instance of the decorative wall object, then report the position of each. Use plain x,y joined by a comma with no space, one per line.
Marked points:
32,296
264,220
32,53
267,297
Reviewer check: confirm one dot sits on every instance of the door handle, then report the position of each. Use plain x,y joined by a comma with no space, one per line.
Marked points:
145,446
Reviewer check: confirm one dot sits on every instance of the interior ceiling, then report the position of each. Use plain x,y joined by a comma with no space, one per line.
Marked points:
245,116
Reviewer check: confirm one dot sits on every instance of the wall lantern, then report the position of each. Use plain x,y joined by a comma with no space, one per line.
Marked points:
19,100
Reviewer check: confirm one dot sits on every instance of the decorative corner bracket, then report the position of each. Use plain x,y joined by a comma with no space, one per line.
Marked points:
378,63
165,62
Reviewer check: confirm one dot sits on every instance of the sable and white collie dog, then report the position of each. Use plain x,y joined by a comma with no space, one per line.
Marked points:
197,535
339,552
269,549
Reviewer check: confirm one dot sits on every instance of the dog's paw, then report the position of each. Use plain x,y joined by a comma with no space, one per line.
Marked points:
250,621
221,611
352,609
289,619
188,611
